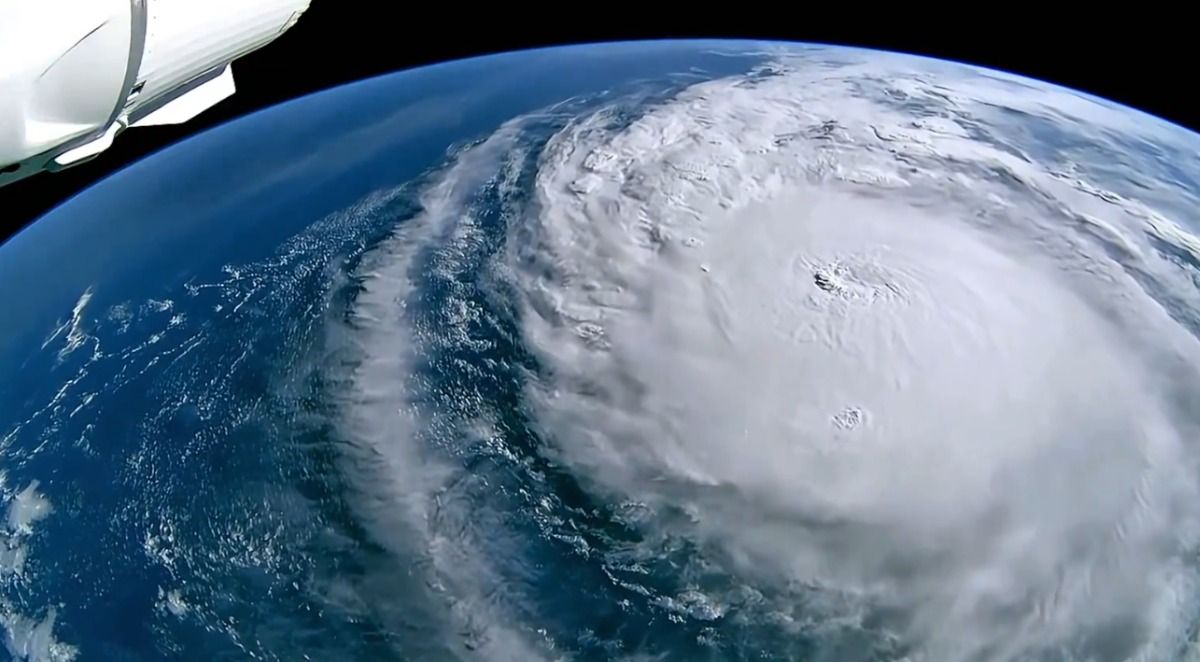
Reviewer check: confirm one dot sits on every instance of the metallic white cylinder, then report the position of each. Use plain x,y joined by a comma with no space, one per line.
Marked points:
187,40
75,73
62,69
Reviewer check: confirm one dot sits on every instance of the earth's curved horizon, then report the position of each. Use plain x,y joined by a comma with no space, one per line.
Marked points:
640,350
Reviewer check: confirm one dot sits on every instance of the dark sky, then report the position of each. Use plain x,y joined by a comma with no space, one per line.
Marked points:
340,41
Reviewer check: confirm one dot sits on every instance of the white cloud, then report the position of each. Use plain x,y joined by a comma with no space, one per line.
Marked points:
759,259
27,637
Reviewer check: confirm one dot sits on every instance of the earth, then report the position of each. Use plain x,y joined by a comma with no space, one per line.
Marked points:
638,351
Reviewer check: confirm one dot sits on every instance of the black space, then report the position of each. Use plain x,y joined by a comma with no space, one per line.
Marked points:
339,41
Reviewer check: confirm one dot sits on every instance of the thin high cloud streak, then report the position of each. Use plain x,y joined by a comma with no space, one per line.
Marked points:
409,496
874,351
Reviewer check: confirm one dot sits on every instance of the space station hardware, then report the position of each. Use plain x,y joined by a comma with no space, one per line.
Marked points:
74,74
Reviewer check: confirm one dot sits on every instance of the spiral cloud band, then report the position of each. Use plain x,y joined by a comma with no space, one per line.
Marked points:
874,345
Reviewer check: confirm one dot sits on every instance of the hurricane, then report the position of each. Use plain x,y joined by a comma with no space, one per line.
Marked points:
846,355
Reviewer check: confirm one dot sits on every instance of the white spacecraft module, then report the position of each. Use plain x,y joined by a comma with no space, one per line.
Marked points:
75,73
